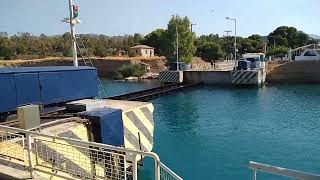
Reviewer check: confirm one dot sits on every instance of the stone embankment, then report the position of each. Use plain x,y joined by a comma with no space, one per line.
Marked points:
106,66
293,72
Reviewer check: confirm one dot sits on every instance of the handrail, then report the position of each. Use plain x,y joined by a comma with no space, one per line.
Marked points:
254,166
168,170
76,141
30,135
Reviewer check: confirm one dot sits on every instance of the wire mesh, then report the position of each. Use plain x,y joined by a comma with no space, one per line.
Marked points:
167,174
70,158
12,145
79,161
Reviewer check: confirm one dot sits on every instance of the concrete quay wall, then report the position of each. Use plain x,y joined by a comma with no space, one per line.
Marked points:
208,77
293,72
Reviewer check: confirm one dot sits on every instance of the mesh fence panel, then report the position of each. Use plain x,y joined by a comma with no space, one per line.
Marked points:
12,145
167,174
79,161
71,158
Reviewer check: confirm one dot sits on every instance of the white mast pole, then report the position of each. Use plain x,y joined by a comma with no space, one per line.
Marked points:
235,40
73,36
177,46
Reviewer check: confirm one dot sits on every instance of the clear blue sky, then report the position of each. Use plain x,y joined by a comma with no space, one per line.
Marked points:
118,17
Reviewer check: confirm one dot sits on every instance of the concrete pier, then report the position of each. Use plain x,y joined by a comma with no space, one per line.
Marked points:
238,77
137,133
207,77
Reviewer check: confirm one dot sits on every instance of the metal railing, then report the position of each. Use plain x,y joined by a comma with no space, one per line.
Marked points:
167,174
12,146
75,159
294,174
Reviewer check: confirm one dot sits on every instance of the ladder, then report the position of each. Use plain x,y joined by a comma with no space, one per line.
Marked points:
87,61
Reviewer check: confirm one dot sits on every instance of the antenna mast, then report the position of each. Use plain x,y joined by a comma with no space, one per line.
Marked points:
73,21
177,49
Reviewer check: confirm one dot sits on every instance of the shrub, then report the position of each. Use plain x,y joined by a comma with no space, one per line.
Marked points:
125,71
132,53
7,57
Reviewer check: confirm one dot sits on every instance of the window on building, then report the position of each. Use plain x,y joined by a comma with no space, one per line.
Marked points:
146,51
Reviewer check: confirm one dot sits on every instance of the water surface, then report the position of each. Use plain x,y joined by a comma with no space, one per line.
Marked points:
114,88
213,132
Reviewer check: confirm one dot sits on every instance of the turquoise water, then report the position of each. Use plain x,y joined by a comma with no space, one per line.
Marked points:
114,88
213,132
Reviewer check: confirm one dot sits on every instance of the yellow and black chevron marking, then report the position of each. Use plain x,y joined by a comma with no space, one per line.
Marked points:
169,76
138,127
79,132
244,77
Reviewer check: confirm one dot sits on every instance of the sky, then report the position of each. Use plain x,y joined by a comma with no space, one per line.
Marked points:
119,17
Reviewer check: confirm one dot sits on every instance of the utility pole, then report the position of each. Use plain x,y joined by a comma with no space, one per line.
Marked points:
73,29
177,48
235,38
191,24
227,31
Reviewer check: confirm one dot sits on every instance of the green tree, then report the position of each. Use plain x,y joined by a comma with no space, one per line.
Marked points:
66,47
6,49
100,51
288,37
301,38
210,51
279,51
207,38
137,38
186,40
252,44
157,39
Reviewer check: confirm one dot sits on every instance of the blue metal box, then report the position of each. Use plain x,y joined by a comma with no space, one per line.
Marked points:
243,65
45,85
106,126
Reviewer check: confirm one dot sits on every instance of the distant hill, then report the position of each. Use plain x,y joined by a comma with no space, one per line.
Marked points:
313,36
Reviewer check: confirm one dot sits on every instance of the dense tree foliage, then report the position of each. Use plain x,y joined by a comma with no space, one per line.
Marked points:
279,51
27,46
6,48
157,39
209,51
186,38
288,37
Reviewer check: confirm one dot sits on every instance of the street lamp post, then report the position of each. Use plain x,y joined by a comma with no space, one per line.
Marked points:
191,25
235,37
